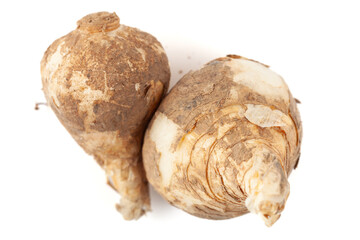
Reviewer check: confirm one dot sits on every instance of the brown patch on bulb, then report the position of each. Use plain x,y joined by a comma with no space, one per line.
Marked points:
68,111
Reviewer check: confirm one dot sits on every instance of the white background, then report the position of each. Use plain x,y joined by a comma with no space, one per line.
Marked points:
50,189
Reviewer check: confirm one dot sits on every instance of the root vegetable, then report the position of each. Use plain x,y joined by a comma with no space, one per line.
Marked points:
224,141
104,81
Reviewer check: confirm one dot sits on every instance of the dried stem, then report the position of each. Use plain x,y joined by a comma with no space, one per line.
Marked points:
128,178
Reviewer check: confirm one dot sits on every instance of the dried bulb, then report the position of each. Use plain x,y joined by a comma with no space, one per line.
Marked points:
104,80
224,141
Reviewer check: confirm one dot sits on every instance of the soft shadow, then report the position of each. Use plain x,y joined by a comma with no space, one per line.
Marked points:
185,55
160,208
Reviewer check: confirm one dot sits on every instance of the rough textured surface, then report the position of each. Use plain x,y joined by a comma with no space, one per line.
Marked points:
104,81
235,137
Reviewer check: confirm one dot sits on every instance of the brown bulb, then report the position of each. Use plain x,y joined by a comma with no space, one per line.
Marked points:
104,80
224,141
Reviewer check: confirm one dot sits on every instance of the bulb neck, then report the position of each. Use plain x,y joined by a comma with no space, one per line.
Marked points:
99,22
266,185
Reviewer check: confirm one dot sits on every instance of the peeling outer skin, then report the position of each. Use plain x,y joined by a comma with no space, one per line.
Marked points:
224,141
104,80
